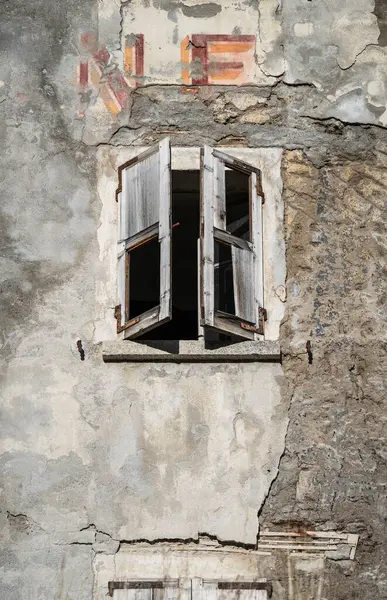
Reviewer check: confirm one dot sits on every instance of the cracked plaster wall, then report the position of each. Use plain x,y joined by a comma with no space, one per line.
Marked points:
87,447
338,51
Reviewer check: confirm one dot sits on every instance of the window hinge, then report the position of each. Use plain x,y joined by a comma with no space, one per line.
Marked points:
134,585
262,316
260,190
249,327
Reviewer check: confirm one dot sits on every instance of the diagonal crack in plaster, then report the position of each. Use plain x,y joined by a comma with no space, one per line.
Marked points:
23,516
123,4
277,471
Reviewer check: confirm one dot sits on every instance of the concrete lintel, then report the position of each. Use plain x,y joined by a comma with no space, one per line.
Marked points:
189,351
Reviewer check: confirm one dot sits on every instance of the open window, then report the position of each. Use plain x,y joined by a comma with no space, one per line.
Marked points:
231,246
144,245
190,248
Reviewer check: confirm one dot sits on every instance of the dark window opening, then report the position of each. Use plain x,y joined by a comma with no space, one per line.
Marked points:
144,282
238,203
223,278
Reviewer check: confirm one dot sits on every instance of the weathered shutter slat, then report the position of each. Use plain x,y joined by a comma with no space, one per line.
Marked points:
243,275
165,227
257,241
219,195
257,233
139,182
228,238
142,237
230,161
121,280
122,217
207,236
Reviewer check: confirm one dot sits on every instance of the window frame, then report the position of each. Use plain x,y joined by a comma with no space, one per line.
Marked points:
268,160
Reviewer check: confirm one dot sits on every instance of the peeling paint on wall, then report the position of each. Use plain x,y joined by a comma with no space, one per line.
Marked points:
218,59
238,44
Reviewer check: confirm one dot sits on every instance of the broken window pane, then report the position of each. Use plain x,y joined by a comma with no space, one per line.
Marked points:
144,277
238,203
223,278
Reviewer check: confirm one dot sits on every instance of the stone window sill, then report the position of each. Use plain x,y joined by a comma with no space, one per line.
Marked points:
190,351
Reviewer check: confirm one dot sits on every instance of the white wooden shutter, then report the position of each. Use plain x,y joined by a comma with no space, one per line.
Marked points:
246,256
179,589
231,590
187,589
144,197
148,590
132,594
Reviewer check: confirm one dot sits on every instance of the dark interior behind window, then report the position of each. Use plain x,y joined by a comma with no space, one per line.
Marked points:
144,277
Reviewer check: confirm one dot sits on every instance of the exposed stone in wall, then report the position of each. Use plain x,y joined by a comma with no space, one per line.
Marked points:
333,473
381,14
336,50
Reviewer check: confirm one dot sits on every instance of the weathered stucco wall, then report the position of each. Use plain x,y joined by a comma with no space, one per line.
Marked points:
94,454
